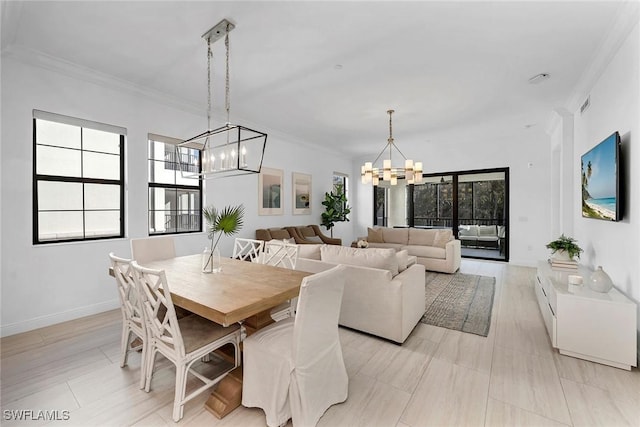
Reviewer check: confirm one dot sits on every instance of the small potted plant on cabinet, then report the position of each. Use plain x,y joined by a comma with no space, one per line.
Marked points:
564,248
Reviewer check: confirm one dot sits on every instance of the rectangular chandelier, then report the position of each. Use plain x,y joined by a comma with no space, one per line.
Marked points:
226,151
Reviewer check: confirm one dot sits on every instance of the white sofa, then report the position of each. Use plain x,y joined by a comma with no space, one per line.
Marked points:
382,295
436,249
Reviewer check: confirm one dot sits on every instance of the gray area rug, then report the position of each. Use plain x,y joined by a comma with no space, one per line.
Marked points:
459,301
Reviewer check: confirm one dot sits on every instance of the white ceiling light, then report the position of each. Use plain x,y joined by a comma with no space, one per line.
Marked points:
230,149
411,171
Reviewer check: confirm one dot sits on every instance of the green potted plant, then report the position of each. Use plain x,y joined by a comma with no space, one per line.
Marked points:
336,208
227,221
565,247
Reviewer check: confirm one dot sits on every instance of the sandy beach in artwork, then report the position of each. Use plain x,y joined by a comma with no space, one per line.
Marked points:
606,213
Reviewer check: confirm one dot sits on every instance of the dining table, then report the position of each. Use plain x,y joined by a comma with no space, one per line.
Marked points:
242,291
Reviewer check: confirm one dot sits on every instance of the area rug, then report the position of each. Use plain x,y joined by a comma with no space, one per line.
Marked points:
459,301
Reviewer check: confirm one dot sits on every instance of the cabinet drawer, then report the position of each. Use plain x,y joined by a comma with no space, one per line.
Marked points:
548,315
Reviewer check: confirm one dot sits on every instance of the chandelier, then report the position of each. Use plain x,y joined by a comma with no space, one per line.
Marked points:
228,150
412,172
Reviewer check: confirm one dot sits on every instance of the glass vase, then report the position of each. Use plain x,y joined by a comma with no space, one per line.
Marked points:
600,281
211,261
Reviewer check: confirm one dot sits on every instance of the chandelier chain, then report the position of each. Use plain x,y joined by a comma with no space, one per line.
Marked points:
209,57
227,99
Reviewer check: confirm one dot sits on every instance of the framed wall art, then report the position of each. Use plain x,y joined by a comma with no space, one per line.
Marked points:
301,191
270,192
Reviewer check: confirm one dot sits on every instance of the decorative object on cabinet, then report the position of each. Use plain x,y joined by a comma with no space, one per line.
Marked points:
600,281
564,248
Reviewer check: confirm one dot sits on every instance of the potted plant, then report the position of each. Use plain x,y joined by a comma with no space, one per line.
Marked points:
336,208
566,247
226,222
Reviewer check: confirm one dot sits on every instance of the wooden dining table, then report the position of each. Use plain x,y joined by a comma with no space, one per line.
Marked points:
241,292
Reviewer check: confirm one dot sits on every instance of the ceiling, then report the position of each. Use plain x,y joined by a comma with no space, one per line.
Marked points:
325,73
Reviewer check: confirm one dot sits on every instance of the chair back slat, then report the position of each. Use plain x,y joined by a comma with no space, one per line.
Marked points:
129,301
280,254
247,249
158,307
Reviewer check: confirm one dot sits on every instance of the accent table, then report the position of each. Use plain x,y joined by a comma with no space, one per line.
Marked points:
583,323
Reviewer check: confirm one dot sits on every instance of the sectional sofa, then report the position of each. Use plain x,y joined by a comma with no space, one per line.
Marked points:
383,294
436,249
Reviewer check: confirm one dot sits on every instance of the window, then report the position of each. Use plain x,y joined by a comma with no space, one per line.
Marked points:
174,201
78,179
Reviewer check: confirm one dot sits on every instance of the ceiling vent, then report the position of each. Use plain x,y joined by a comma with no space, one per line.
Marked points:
585,104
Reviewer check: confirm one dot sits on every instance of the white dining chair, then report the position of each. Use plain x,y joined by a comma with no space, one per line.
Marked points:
182,341
285,255
247,249
294,368
133,324
150,249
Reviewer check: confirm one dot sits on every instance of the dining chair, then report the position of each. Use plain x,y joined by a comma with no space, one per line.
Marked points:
247,249
150,249
285,255
133,324
182,341
294,368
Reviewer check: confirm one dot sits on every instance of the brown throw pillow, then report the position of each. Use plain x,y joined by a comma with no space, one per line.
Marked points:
374,235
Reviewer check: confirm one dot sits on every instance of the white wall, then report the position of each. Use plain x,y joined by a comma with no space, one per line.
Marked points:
614,107
47,284
526,154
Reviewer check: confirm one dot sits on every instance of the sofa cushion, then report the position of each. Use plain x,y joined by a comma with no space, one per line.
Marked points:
306,231
442,238
403,260
384,259
395,235
315,239
309,251
487,230
374,235
426,251
279,233
421,237
468,231
395,246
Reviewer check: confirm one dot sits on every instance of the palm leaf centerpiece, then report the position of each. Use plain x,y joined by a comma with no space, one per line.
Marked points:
227,222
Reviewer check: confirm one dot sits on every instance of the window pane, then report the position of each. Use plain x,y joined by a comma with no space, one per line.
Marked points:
161,173
101,196
102,223
162,222
60,225
102,166
59,196
162,199
58,134
57,161
97,140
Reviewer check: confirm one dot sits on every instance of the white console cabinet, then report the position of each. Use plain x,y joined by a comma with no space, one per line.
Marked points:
582,323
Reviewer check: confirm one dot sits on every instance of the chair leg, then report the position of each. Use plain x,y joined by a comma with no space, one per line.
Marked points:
151,361
181,385
144,364
124,344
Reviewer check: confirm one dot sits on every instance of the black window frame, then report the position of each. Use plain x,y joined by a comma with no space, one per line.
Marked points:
176,187
36,178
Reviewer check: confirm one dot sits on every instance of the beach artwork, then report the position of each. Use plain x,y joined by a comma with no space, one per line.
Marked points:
599,180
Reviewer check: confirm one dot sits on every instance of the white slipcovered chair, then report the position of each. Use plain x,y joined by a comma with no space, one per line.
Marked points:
247,249
182,341
133,324
294,368
149,249
285,255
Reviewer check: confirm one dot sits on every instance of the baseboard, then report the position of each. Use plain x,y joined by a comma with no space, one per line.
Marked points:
52,319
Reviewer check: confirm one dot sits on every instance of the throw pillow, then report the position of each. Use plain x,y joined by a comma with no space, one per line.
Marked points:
315,239
442,237
374,235
309,251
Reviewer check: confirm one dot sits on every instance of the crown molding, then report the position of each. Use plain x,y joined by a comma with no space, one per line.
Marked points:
70,69
627,18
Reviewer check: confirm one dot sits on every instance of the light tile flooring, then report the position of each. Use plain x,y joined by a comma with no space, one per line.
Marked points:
438,377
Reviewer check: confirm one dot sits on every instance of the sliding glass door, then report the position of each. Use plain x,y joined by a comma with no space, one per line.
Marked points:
473,204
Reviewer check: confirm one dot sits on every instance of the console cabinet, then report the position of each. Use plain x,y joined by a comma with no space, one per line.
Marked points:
600,327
